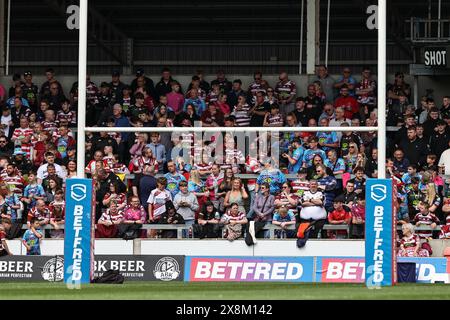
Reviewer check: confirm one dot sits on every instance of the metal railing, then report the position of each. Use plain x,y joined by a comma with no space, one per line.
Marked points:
429,30
269,226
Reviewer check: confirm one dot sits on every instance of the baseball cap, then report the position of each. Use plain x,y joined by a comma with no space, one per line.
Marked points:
441,122
18,151
115,73
104,85
140,72
303,171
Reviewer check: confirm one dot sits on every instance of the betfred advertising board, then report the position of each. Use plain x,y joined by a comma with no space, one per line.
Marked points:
277,269
133,268
352,270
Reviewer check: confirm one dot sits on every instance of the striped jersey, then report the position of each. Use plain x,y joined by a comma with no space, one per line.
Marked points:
15,183
50,126
112,217
427,220
241,115
285,90
70,117
299,187
20,133
254,88
275,120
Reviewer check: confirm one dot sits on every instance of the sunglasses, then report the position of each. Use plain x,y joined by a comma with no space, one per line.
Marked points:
352,147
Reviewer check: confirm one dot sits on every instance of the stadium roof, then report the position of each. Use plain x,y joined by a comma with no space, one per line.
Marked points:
248,20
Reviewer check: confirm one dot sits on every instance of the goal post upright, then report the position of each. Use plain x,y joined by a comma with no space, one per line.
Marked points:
381,98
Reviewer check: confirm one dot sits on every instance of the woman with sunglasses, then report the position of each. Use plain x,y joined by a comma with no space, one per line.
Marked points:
270,98
351,158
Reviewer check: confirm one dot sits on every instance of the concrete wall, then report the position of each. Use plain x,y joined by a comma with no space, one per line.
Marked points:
273,248
284,248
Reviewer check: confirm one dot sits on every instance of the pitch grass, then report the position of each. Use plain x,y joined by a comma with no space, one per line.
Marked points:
221,291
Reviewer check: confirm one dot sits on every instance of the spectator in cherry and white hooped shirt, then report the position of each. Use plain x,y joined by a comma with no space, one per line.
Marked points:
410,243
40,212
425,218
49,123
285,92
91,167
107,225
14,179
24,130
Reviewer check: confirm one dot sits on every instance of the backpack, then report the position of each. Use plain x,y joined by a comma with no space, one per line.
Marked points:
111,277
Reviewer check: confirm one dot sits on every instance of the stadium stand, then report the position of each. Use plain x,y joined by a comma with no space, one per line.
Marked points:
37,153
173,185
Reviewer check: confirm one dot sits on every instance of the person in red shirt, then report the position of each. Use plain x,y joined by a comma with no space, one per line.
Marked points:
340,215
349,103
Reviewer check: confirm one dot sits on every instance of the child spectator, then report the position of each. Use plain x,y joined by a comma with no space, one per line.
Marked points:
33,191
426,218
274,118
284,218
57,219
31,238
339,216
358,212
66,114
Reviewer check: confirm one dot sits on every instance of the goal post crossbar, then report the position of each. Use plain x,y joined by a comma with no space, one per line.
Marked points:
230,129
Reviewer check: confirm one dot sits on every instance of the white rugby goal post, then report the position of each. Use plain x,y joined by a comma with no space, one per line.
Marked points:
381,128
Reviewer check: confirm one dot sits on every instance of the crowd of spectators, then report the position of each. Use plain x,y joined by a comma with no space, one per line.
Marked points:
317,176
